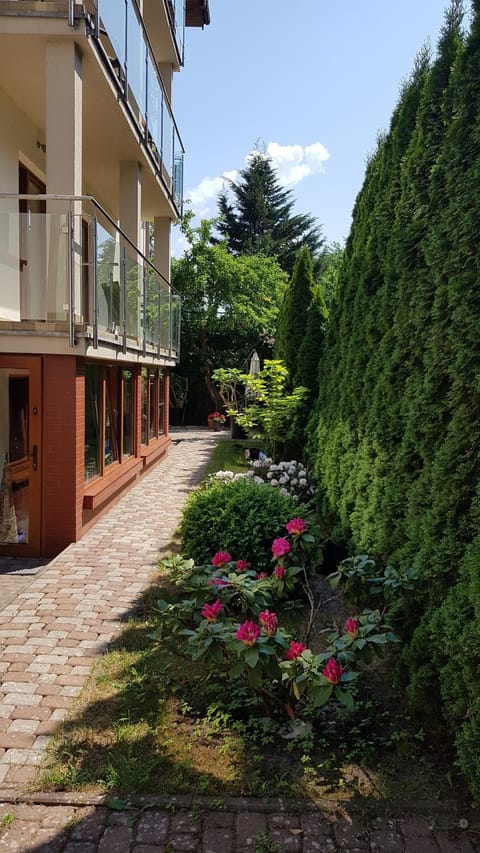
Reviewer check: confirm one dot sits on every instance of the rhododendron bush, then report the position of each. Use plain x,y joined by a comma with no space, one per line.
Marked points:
232,622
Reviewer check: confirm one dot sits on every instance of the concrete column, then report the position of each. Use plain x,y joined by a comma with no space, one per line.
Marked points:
64,118
161,241
131,200
63,122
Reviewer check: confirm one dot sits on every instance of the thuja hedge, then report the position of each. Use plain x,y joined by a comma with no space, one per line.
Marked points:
396,426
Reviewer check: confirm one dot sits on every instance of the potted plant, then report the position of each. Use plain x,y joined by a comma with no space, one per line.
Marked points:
216,420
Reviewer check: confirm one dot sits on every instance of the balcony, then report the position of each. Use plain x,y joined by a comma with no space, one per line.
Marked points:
117,34
68,271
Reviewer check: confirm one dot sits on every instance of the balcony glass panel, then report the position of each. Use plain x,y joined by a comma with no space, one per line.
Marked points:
177,170
34,250
136,59
176,311
164,317
167,143
109,289
113,20
134,291
152,310
154,111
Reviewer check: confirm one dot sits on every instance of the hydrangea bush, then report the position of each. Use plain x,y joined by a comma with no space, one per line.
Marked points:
290,478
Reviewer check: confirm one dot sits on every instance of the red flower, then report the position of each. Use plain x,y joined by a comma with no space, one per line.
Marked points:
211,611
268,621
261,576
352,626
295,650
242,565
279,571
333,671
221,558
248,633
280,547
296,526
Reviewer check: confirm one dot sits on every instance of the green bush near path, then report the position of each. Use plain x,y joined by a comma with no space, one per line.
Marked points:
235,516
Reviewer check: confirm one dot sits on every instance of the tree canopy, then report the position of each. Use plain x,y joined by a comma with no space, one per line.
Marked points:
260,219
229,307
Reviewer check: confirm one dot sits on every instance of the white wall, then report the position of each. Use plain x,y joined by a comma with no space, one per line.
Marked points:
18,143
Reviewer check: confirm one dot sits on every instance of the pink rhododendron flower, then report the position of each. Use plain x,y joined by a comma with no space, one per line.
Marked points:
279,571
296,526
211,611
268,621
280,547
295,650
248,633
221,558
351,626
261,576
242,565
333,671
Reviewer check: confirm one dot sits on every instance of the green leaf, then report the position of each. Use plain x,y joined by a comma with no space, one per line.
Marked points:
349,676
345,698
321,695
251,656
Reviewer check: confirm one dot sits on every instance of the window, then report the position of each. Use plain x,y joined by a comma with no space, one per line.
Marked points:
109,417
153,404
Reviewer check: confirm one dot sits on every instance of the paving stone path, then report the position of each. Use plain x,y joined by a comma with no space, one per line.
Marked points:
56,619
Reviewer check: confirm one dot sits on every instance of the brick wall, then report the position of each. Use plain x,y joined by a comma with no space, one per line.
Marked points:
62,458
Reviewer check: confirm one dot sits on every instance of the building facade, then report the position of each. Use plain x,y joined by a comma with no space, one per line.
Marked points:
91,166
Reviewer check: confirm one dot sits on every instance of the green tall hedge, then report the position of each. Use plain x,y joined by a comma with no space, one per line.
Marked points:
396,444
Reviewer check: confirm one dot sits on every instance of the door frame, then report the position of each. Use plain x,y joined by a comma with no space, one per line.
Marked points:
33,364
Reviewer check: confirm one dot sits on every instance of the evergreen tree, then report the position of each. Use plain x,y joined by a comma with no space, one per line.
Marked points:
260,219
294,312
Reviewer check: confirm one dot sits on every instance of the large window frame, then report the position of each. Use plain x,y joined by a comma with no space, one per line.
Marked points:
153,405
110,418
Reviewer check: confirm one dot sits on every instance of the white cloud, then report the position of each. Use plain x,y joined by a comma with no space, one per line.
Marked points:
296,162
293,163
207,192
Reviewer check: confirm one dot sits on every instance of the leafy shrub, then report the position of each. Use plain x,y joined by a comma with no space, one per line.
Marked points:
239,516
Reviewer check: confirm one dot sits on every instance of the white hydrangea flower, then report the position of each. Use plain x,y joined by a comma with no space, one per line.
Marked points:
273,482
302,481
283,491
258,480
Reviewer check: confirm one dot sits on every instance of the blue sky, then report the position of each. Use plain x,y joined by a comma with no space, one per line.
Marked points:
315,80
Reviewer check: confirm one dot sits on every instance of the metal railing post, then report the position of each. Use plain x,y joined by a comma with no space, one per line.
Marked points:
124,291
95,284
71,13
71,277
144,311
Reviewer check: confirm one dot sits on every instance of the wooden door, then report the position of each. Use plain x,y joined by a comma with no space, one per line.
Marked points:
20,455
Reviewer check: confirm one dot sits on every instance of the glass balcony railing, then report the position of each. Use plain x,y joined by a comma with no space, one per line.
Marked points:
126,47
75,268
119,31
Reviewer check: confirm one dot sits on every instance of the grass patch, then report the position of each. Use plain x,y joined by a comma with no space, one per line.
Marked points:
150,721
229,455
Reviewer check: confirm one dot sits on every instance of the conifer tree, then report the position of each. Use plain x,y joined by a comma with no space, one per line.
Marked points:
260,218
294,311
